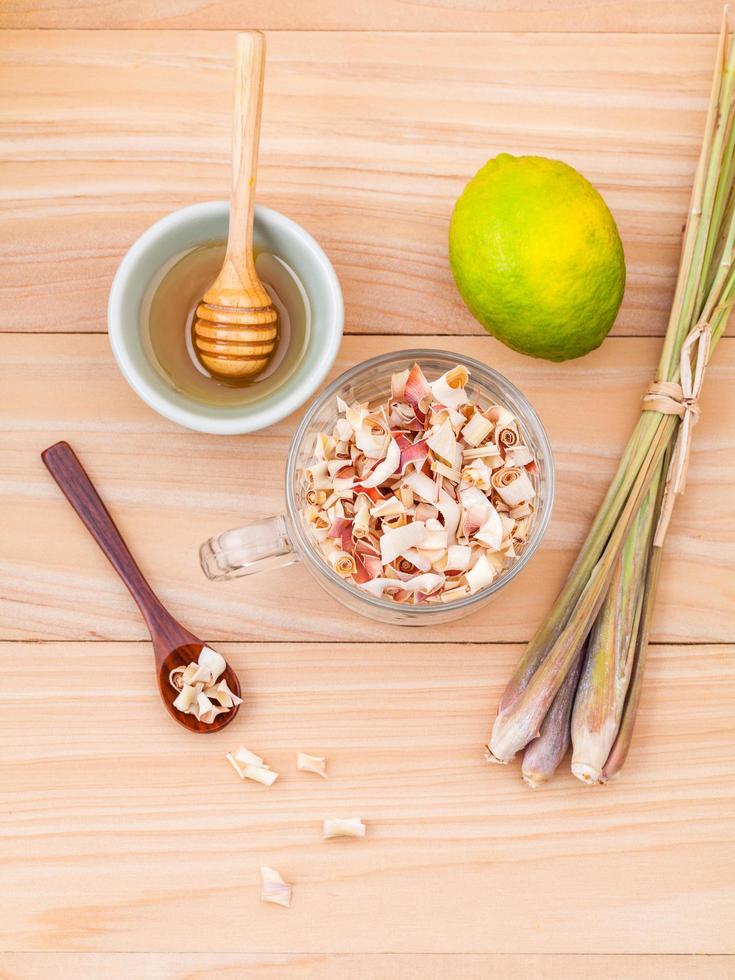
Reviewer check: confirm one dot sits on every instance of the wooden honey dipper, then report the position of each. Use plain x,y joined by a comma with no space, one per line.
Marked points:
236,325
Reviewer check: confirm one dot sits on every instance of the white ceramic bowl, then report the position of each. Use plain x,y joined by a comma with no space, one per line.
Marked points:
182,230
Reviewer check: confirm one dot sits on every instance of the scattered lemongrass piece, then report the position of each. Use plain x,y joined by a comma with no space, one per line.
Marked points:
247,758
311,763
337,827
235,764
275,890
260,774
248,765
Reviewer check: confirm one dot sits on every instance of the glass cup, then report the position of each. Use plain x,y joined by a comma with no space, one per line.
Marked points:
284,539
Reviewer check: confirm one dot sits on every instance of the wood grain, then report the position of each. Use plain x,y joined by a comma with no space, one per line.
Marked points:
385,15
119,832
129,848
101,136
57,585
365,966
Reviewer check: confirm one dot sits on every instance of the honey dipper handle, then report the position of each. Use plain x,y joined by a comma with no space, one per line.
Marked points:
63,465
238,273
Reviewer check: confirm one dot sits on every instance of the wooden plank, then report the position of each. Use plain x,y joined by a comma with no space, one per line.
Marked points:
367,140
365,966
386,15
57,584
118,832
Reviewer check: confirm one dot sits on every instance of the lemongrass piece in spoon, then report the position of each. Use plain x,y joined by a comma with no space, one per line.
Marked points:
275,890
187,698
311,763
210,666
337,827
222,694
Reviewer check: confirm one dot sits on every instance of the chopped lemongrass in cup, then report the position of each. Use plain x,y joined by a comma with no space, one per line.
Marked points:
425,497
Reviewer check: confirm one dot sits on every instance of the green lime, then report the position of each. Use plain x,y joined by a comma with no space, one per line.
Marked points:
537,256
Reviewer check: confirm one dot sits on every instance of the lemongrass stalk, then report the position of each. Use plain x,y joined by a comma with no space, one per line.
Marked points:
547,634
603,684
644,434
721,315
703,193
723,182
556,644
728,214
543,755
520,720
621,746
722,210
722,273
552,649
647,425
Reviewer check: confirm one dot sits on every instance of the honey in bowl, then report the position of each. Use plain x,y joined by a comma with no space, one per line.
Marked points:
167,319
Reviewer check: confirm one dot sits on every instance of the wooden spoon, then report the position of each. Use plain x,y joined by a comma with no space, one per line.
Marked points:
173,646
236,324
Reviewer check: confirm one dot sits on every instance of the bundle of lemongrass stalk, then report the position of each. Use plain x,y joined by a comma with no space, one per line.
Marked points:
580,677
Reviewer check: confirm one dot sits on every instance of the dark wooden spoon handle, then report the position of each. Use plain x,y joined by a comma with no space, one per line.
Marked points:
65,468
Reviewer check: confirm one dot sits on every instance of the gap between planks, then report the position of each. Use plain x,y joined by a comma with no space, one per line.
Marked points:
354,30
374,643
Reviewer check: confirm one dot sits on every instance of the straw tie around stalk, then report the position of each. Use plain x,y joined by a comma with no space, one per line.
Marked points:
682,399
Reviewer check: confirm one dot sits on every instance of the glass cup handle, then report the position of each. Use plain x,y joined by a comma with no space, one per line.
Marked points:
247,550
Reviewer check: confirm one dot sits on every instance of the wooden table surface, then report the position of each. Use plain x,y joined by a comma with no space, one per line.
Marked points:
129,849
